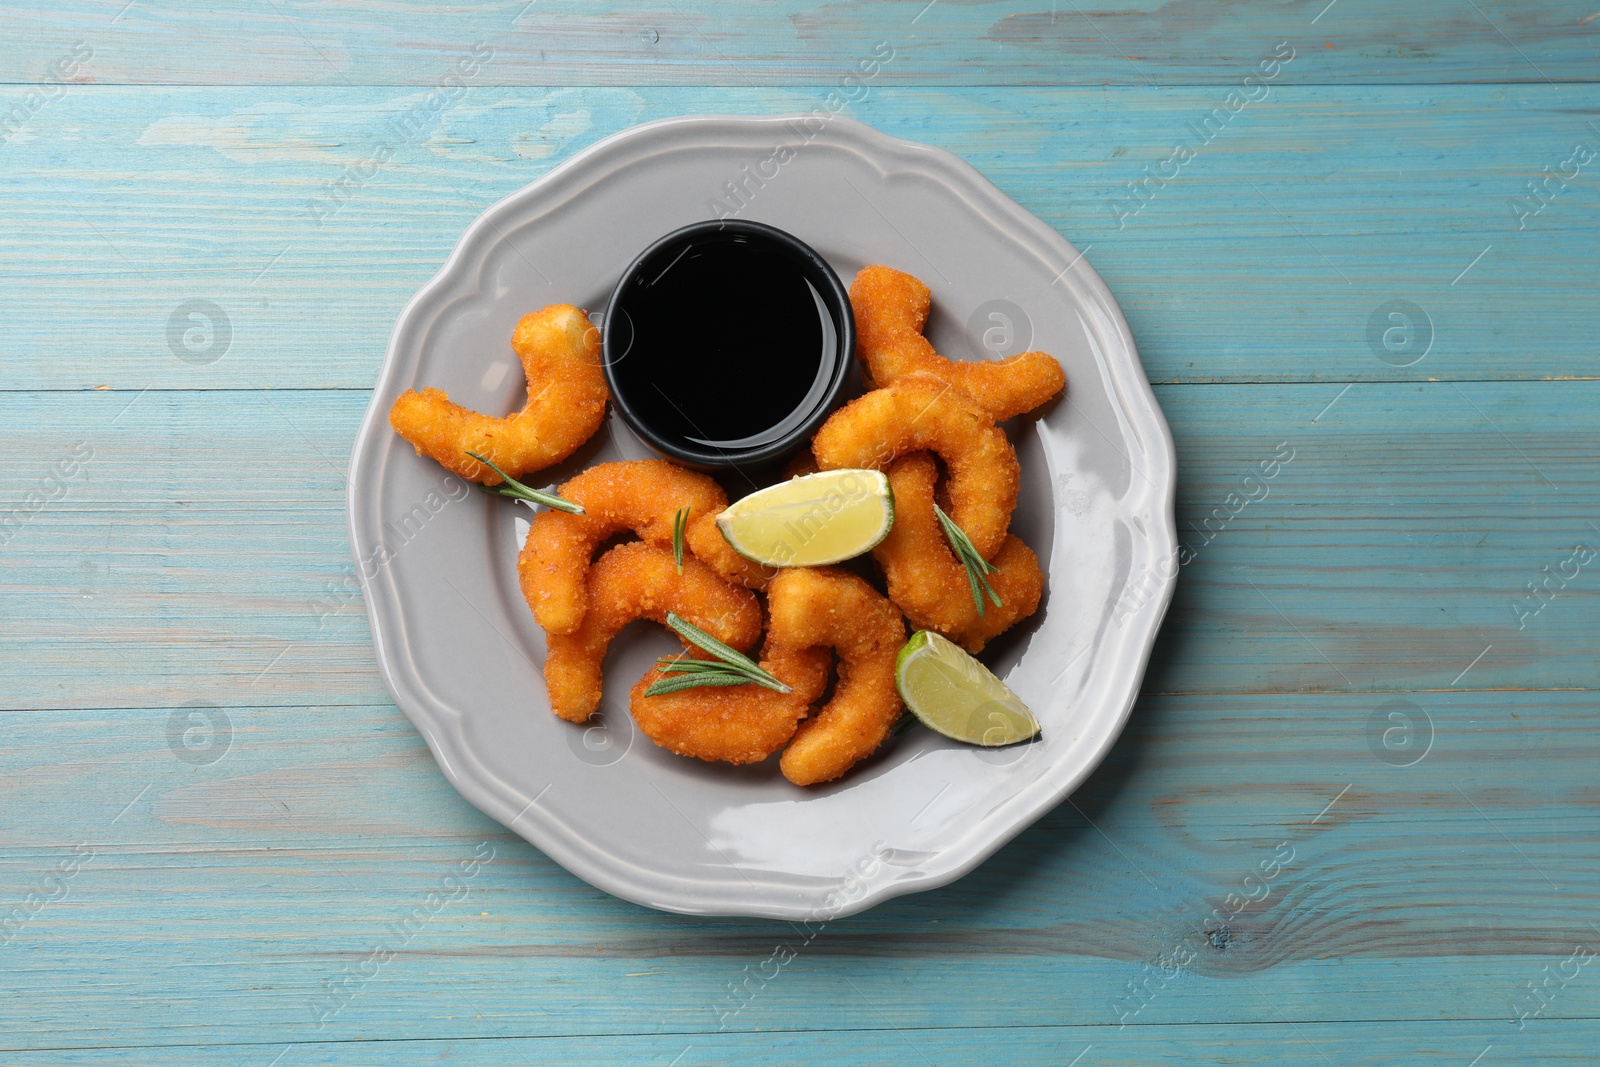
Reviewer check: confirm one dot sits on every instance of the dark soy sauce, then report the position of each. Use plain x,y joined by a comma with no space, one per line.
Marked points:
721,342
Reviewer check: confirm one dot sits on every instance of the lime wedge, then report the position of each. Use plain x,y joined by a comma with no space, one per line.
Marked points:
811,520
953,694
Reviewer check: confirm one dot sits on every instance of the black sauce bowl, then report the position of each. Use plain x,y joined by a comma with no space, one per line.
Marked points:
743,354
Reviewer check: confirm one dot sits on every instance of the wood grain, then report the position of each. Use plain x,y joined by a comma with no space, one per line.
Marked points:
202,551
221,897
1265,260
1383,663
1265,1045
743,45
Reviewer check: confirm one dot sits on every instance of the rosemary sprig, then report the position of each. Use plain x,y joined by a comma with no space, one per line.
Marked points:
663,686
680,521
517,491
730,667
975,564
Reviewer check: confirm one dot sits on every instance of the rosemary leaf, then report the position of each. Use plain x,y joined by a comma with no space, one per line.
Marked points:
685,665
679,521
708,644
517,491
972,583
677,682
715,671
993,596
976,566
687,673
732,661
962,543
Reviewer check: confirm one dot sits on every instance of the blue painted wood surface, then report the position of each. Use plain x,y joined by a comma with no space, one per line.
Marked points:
1377,683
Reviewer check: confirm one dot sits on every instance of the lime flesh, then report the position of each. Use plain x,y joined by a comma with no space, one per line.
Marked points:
953,694
812,520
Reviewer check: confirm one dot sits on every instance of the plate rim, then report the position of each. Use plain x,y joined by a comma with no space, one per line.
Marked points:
1131,393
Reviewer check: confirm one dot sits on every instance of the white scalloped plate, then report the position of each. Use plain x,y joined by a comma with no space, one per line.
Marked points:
460,652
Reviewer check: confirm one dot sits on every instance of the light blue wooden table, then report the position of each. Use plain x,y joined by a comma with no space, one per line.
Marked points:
1353,820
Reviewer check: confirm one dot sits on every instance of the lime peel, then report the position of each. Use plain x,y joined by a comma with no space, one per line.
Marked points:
954,695
812,520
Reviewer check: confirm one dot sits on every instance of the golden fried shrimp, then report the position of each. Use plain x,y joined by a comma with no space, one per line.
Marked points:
827,606
920,411
737,724
930,585
641,581
640,495
560,352
891,309
800,464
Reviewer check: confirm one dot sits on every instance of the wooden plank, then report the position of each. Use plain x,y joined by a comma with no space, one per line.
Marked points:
210,893
215,899
1270,1044
1271,257
201,552
980,42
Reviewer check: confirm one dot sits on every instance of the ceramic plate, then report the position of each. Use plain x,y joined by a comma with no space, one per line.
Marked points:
461,654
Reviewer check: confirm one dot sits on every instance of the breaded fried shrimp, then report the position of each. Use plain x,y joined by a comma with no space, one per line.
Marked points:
641,581
920,411
737,724
930,585
800,464
812,606
560,353
640,495
891,309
